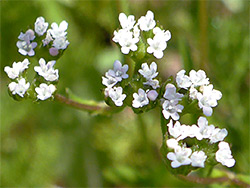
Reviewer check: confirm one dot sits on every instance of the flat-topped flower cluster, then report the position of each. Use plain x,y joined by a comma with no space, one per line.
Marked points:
142,34
44,84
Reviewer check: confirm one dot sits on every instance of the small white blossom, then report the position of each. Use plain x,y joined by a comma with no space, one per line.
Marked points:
198,78
60,43
46,70
119,71
172,143
224,155
171,94
218,135
17,68
136,31
175,130
119,34
180,156
109,81
116,95
140,99
152,95
126,22
127,42
59,31
205,130
47,39
19,88
171,109
208,99
45,91
41,26
153,83
193,93
148,72
198,159
147,22
162,34
156,47
25,46
182,80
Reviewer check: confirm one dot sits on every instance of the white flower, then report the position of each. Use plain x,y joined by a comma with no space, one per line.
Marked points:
175,130
116,95
162,34
41,26
183,80
25,46
48,38
152,95
218,135
208,99
17,68
205,130
119,34
45,91
153,83
140,99
171,94
171,109
172,143
46,70
108,81
148,72
156,46
136,31
198,78
126,22
127,42
147,22
59,31
119,71
198,159
180,156
19,88
60,43
224,155
193,93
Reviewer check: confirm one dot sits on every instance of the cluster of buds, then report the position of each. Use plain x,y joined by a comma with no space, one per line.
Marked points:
195,145
44,83
143,38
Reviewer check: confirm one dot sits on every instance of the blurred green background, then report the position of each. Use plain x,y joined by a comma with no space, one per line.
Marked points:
49,145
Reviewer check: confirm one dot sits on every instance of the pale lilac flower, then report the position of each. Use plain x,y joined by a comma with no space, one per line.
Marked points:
53,51
147,22
48,38
182,80
148,72
126,22
171,109
25,46
19,88
224,155
140,99
41,26
17,68
59,31
152,95
60,43
47,71
108,81
116,95
119,71
171,94
198,159
45,91
180,156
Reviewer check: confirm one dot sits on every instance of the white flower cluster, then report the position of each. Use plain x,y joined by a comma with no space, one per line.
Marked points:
20,87
57,34
130,34
112,77
170,105
184,156
142,97
199,88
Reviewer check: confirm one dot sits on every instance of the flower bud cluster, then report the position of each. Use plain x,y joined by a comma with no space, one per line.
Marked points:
55,40
43,85
141,36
